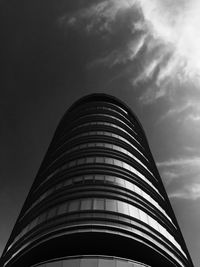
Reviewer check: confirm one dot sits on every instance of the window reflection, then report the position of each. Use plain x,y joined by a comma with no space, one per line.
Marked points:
105,205
106,179
108,124
96,133
108,116
100,160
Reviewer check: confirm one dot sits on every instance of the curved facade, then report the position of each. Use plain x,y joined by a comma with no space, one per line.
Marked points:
98,199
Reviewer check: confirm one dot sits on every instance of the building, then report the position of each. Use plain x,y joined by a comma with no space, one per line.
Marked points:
98,199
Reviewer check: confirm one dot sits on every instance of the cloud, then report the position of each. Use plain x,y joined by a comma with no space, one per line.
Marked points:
190,192
185,168
181,177
169,176
159,38
193,117
177,110
181,162
97,17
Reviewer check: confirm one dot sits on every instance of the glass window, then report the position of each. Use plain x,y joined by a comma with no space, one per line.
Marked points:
99,160
99,177
111,205
120,263
129,185
118,162
120,182
82,146
99,204
109,160
73,205
134,212
78,179
33,223
88,177
80,161
55,264
89,263
110,179
161,229
62,208
89,160
42,218
60,185
67,182
51,213
122,207
106,263
71,263
143,216
138,190
86,204
153,223
72,164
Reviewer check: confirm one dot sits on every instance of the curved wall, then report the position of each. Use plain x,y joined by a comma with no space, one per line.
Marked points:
98,192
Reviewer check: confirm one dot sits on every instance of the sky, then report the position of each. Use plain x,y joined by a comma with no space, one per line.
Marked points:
146,53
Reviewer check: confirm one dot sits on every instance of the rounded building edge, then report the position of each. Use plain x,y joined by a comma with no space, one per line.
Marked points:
92,243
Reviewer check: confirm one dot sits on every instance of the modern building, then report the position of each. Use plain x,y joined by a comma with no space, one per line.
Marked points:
98,199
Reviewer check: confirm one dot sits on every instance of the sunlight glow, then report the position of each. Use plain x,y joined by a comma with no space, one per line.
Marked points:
177,23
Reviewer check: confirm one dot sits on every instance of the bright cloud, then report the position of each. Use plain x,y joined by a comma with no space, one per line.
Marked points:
177,23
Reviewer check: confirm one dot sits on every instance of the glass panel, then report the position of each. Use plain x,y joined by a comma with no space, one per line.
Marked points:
73,205
51,213
80,161
72,163
42,218
120,263
90,160
143,216
99,160
99,204
126,166
120,182
54,264
118,162
60,185
86,204
153,223
33,223
62,208
111,205
110,179
67,182
78,179
138,190
134,211
89,263
109,161
129,186
99,177
71,263
106,263
88,177
122,207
